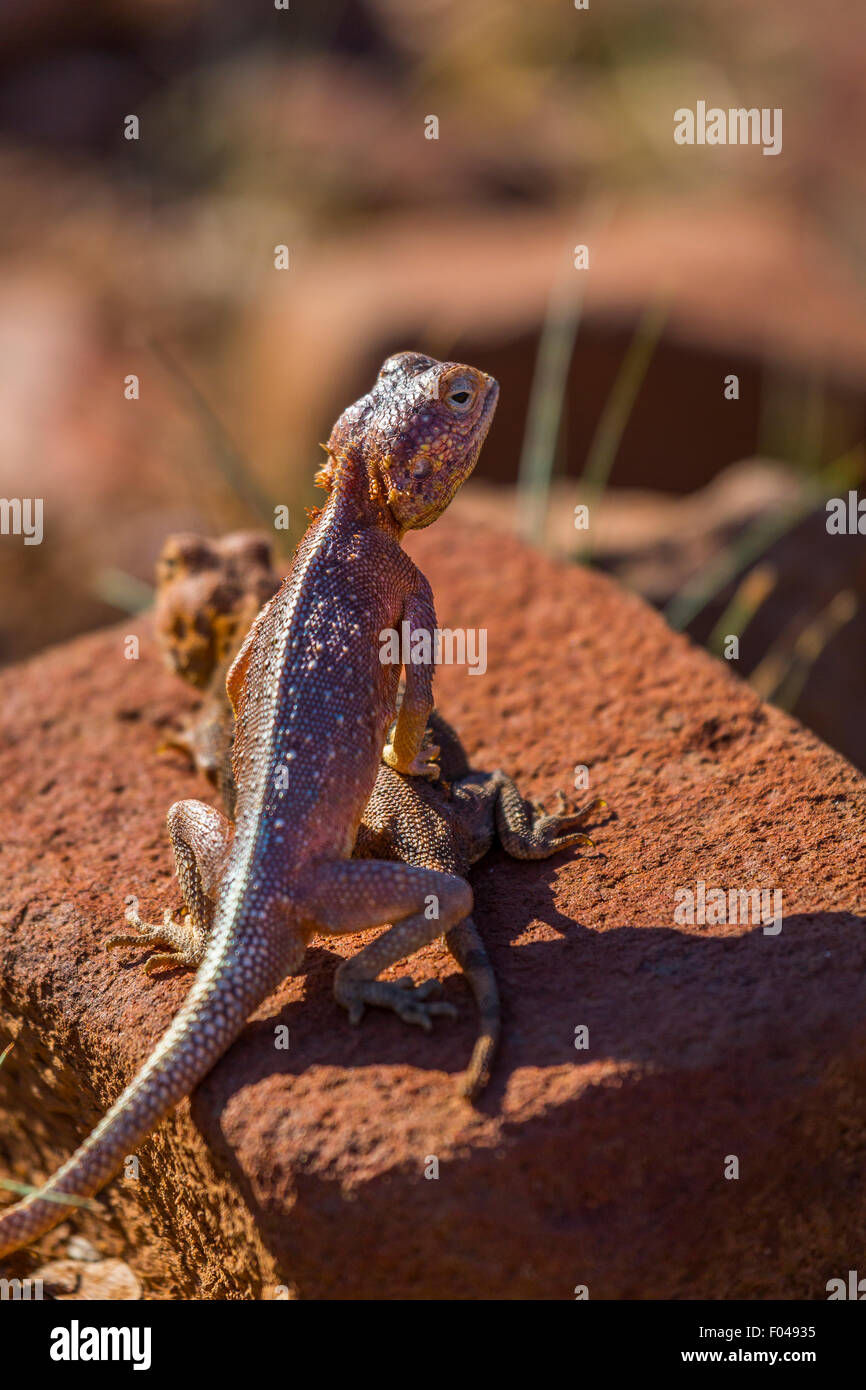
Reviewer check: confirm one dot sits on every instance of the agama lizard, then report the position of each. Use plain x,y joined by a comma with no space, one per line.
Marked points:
446,824
313,704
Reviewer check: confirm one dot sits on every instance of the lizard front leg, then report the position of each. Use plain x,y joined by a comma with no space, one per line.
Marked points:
527,832
410,751
201,838
351,895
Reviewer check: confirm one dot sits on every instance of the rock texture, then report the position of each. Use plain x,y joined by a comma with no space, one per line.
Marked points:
602,1167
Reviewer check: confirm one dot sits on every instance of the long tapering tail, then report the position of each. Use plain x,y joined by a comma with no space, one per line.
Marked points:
233,980
467,947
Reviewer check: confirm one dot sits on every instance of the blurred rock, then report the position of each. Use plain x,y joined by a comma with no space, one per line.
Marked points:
100,1280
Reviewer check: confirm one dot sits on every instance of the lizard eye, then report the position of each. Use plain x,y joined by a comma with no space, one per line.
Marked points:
461,395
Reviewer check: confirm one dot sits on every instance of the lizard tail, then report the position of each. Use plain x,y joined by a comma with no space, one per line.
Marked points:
231,983
466,946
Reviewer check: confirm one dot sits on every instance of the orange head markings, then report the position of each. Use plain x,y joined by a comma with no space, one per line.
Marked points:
419,432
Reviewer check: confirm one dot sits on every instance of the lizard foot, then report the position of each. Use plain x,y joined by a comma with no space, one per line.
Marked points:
527,832
424,764
186,944
178,740
409,1001
559,829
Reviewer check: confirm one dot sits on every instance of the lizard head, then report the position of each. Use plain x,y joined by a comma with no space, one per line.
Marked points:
419,432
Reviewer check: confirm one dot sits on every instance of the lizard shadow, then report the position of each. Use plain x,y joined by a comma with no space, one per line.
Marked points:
318,1028
715,1041
628,985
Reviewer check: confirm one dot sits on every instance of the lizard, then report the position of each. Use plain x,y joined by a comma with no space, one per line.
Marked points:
446,824
313,704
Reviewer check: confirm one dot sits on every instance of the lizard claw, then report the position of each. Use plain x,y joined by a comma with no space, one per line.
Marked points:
185,947
424,764
164,958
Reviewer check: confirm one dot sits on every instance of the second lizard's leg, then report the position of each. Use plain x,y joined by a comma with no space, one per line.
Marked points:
422,904
201,838
526,832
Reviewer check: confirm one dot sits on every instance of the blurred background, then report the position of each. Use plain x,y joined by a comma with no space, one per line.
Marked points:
261,127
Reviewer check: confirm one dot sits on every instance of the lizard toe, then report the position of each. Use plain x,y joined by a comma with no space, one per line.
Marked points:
422,1014
163,958
408,1001
429,987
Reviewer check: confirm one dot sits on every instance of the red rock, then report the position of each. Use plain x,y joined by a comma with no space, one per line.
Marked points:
602,1167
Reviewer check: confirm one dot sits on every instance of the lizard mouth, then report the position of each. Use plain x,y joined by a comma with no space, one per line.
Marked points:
489,406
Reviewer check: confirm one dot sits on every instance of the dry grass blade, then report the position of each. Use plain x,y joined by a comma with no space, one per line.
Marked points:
544,416
782,674
751,592
618,408
121,590
63,1199
234,467
694,596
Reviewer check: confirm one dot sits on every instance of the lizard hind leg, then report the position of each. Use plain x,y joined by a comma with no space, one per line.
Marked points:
422,904
200,838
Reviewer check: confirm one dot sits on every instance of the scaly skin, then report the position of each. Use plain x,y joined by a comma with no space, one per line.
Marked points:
449,825
313,703
446,825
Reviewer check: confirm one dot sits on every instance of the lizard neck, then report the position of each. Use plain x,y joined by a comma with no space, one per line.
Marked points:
356,497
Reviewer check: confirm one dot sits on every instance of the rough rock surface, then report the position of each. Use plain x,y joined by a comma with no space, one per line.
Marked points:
602,1167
